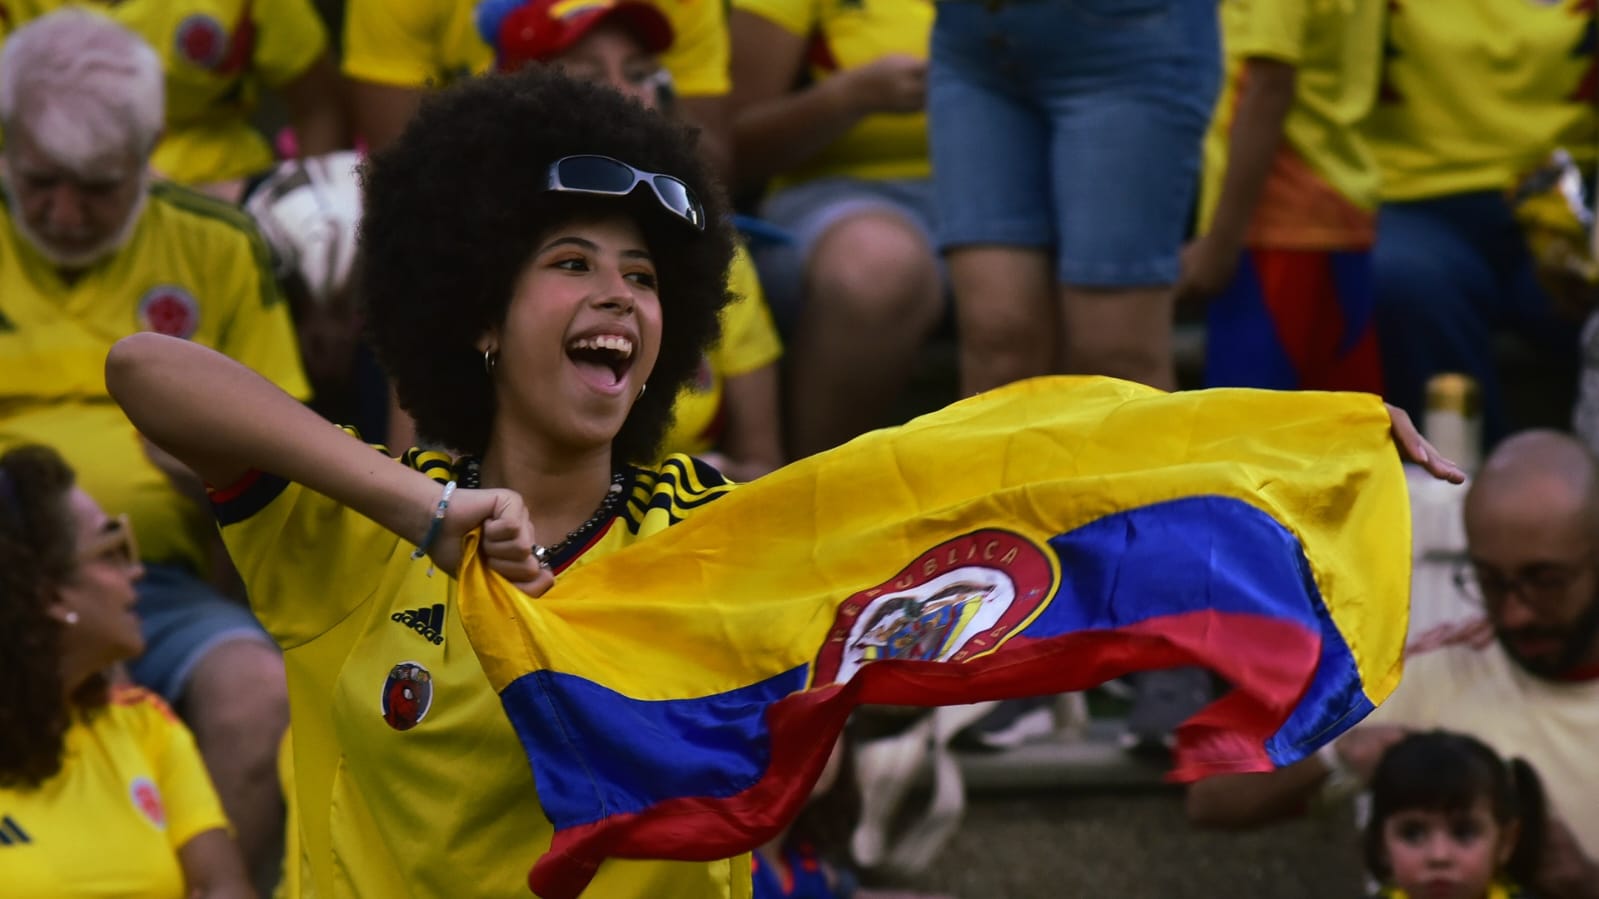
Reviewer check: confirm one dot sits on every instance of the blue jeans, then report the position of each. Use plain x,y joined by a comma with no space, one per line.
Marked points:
183,619
1073,125
1451,271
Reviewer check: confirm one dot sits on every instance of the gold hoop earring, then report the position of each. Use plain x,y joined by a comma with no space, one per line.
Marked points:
489,359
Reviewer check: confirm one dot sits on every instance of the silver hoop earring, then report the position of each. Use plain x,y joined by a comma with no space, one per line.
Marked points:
641,389
489,359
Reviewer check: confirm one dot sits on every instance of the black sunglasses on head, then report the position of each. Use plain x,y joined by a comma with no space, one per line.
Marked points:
604,176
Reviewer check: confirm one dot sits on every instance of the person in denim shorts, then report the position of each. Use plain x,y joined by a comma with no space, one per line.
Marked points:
843,159
1066,139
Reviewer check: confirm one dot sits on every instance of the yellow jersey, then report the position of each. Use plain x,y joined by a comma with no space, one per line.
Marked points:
1476,93
217,54
430,43
1322,190
847,34
408,778
194,268
749,342
132,778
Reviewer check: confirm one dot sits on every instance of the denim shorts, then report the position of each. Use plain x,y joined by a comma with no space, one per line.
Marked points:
1074,126
184,619
806,210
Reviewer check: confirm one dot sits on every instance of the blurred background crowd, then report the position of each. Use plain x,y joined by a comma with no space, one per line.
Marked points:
936,199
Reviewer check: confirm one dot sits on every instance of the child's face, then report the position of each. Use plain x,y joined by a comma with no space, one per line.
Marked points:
1437,855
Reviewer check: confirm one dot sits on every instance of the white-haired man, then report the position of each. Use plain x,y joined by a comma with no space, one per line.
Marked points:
91,251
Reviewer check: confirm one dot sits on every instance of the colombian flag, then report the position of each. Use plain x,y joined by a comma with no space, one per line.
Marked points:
679,698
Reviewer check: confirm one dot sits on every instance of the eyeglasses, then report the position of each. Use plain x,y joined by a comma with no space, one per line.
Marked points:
604,176
1543,585
115,544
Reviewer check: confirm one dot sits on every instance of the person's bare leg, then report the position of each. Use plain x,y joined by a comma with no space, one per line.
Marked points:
1125,333
237,704
1006,313
872,299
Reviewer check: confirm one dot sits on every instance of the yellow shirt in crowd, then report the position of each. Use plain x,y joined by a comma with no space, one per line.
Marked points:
408,778
192,268
1323,186
1481,692
430,43
749,342
847,34
217,55
130,793
1478,92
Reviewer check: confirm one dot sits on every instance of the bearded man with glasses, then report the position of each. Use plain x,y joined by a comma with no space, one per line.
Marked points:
1532,535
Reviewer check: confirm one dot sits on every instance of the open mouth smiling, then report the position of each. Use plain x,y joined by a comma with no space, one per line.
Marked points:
603,359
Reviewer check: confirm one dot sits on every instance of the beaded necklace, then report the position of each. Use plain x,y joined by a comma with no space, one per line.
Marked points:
471,479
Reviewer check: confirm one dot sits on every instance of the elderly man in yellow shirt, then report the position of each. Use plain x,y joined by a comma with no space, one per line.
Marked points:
218,56
92,251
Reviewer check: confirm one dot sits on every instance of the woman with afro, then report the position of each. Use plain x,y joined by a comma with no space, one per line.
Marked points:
543,268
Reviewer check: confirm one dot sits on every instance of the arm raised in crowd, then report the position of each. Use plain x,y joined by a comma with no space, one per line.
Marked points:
776,128
224,420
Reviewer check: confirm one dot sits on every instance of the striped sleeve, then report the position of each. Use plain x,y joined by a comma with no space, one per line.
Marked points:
673,491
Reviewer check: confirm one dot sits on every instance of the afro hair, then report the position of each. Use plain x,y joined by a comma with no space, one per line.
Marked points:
455,208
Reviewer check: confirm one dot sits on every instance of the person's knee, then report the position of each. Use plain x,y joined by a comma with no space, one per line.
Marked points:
238,696
876,267
1120,333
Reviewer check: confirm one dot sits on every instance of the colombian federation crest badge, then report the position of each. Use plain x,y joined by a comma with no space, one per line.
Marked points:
957,601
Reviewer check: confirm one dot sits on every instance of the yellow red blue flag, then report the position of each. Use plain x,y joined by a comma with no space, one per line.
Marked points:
679,698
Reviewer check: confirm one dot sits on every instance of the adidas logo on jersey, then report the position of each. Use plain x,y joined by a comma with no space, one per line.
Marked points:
427,621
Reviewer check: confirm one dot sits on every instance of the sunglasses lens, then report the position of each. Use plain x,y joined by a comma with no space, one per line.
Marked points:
595,173
675,194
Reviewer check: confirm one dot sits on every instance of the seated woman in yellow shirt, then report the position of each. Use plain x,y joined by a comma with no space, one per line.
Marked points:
77,754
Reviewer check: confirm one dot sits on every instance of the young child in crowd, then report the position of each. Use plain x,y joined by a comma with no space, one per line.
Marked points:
1451,820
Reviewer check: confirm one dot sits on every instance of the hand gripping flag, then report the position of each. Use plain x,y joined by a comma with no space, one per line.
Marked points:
679,698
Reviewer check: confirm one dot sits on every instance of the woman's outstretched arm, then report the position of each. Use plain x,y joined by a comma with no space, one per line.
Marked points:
224,420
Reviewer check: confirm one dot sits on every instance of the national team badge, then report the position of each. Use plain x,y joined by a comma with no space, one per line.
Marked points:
407,695
201,40
955,602
169,309
147,799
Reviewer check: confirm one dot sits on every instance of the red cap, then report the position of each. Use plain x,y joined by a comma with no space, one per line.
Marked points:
543,29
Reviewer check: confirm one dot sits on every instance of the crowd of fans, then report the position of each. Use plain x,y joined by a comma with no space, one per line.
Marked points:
1352,194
